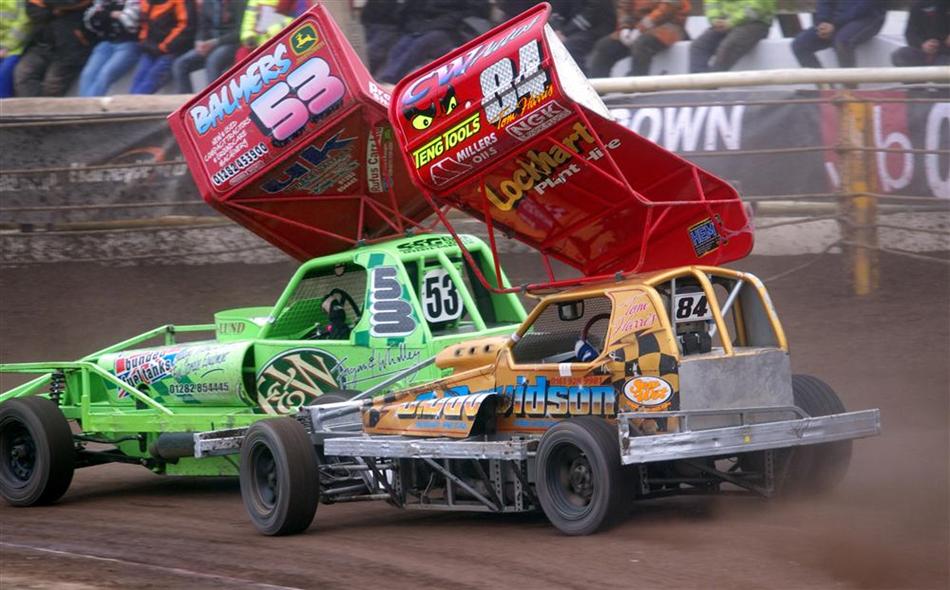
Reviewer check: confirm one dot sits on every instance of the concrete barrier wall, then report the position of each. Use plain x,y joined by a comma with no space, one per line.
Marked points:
102,180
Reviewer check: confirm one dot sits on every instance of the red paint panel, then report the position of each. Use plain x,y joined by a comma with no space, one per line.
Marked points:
294,143
491,130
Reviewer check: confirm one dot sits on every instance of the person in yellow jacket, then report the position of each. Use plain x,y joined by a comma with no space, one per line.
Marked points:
14,29
262,20
735,28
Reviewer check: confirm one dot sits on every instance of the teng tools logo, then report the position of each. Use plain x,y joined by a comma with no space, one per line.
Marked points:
448,140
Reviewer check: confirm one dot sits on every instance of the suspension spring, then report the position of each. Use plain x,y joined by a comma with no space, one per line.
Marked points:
57,385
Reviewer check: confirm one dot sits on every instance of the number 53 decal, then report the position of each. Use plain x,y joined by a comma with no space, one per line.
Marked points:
440,299
308,91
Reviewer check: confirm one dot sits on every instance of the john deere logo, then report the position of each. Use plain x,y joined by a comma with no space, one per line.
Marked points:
304,39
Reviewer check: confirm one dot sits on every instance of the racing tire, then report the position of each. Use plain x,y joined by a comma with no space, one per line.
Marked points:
816,468
280,484
580,482
37,456
335,395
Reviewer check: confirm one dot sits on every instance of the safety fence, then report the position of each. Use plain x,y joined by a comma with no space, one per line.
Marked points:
866,172
823,169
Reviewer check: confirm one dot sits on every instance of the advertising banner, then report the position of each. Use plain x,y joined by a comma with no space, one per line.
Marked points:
696,124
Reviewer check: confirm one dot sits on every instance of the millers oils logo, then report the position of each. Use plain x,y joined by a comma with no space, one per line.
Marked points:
304,39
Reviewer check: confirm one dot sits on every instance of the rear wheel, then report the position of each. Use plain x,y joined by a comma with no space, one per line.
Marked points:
580,481
280,484
817,468
37,457
335,395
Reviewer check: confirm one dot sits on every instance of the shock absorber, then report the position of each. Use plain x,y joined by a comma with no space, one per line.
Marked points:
57,385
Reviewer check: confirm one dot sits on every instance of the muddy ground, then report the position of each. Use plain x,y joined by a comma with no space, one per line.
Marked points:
885,527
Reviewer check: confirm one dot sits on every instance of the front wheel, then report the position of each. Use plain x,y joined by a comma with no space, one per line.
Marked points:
817,468
37,456
580,481
335,395
280,484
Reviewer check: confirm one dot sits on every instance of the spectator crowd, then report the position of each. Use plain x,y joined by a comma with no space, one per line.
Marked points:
47,45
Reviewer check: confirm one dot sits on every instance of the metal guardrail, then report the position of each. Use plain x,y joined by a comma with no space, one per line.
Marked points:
855,207
781,77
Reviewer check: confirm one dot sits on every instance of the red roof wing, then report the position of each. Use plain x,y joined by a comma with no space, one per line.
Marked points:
507,129
294,143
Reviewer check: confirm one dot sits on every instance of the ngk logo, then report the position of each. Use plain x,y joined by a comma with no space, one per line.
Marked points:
537,121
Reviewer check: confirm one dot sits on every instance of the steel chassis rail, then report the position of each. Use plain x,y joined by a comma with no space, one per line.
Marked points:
468,485
401,447
168,331
635,447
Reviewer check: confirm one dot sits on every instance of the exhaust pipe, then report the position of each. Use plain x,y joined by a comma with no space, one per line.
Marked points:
173,445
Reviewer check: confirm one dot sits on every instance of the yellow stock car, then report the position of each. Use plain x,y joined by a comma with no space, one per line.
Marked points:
668,382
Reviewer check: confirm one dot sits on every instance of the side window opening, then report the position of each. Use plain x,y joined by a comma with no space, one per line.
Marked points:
326,305
754,325
495,309
481,295
722,288
559,336
745,318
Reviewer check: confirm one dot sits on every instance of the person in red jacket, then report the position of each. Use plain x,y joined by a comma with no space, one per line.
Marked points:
644,28
168,30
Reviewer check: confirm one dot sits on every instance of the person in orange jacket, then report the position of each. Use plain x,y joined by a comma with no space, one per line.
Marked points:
168,30
644,28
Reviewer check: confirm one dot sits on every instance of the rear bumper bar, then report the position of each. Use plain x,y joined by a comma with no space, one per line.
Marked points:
746,438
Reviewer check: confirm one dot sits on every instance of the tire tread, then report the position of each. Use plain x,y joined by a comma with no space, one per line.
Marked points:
58,437
817,468
606,442
289,438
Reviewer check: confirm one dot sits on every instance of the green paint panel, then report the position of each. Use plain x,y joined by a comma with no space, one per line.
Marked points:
265,360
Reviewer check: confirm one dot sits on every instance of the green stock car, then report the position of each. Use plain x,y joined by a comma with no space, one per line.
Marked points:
361,320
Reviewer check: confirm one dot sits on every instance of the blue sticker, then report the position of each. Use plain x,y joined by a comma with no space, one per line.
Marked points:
704,237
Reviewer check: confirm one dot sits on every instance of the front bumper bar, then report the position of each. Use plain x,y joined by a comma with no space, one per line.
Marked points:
745,438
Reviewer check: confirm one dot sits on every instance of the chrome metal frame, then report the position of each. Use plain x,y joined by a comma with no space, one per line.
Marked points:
732,440
493,473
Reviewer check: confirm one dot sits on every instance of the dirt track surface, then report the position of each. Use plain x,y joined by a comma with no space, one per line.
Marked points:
885,527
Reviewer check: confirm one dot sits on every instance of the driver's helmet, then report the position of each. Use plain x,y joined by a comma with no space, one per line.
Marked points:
584,352
337,327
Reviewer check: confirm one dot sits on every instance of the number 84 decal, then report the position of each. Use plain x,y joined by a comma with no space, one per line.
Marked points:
309,91
691,307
